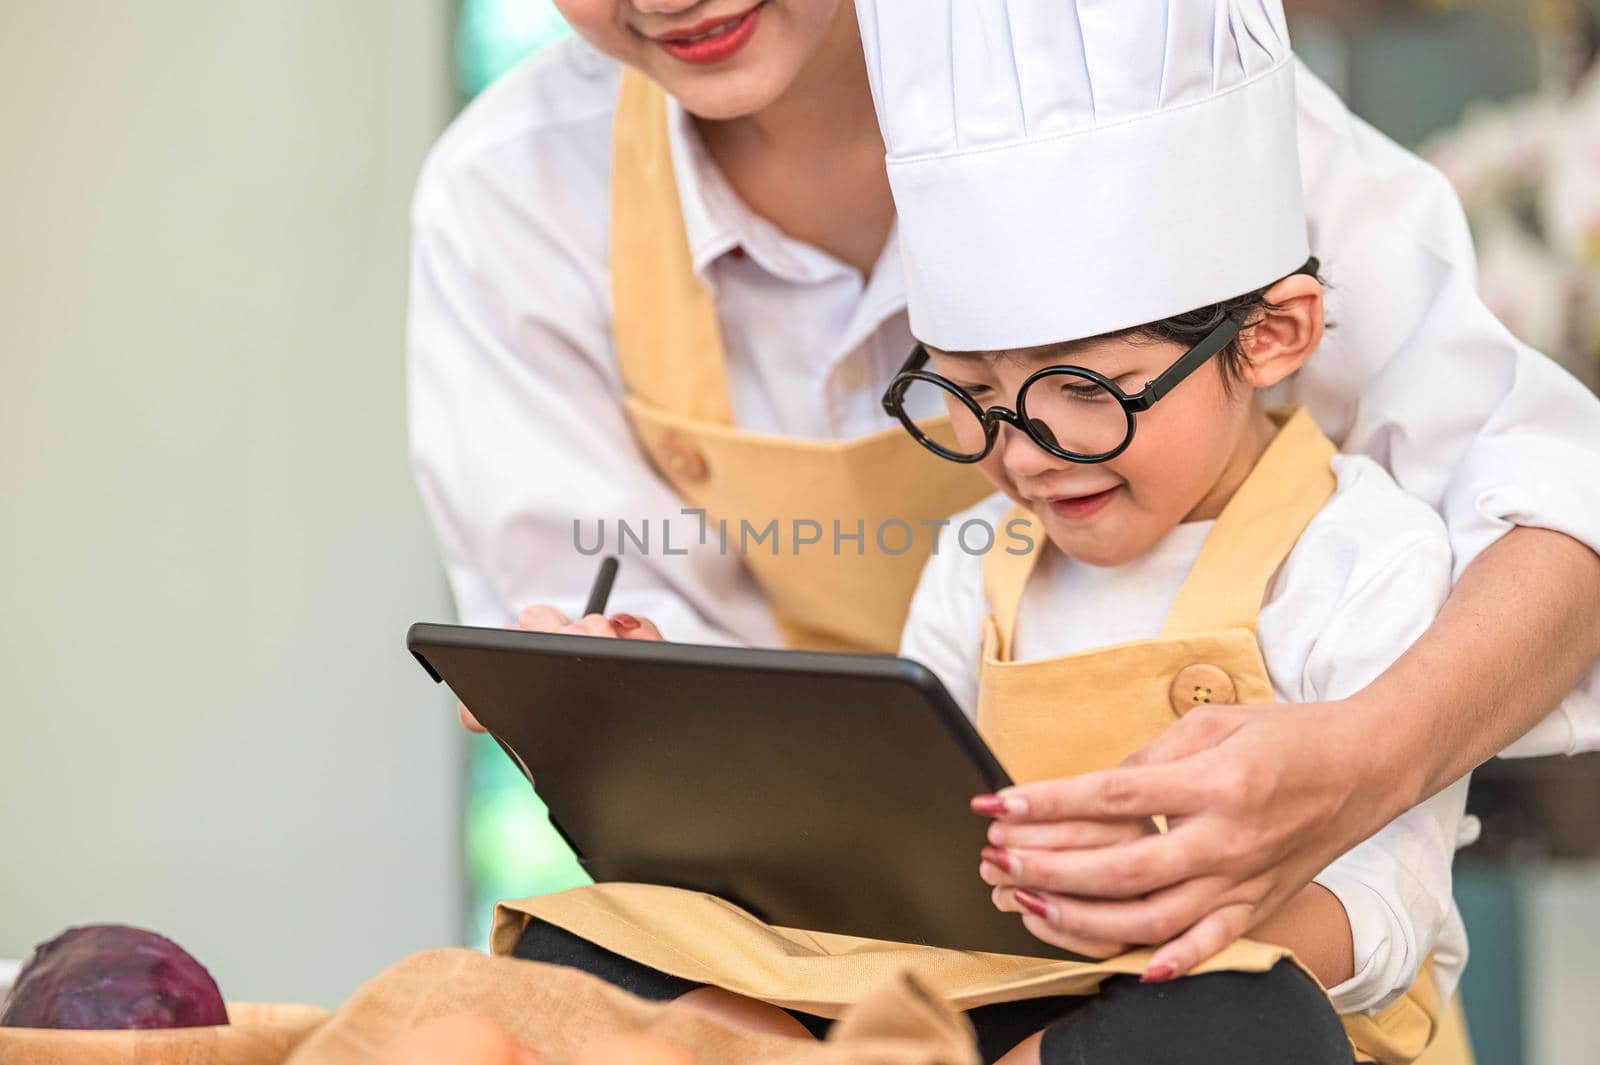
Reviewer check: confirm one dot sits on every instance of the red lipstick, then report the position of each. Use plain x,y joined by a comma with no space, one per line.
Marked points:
713,40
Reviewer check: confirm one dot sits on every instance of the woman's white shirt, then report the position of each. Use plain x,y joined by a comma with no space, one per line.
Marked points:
519,444
1364,581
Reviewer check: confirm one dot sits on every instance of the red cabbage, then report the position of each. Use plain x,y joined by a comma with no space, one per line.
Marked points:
112,976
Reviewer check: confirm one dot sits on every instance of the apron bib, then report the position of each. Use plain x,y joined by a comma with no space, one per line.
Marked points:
670,352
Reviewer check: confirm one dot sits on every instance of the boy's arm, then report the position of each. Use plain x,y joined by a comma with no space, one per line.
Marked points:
1368,922
944,627
1315,926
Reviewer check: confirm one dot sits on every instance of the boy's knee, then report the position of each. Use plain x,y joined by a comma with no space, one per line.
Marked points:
1233,1018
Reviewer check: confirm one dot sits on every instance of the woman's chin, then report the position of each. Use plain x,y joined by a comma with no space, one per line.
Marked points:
726,95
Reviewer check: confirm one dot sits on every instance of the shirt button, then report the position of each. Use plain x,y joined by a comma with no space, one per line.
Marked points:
1200,684
682,460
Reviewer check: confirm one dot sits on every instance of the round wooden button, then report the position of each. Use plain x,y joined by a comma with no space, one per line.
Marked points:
1199,684
682,460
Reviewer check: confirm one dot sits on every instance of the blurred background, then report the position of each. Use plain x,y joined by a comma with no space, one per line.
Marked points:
213,547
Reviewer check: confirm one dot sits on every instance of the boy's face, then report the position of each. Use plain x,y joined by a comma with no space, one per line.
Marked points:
720,58
1177,468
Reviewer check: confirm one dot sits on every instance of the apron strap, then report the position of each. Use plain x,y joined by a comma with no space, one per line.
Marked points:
1005,575
664,320
1255,533
1257,529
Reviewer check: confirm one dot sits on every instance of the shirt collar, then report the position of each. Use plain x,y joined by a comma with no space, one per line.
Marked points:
717,221
711,233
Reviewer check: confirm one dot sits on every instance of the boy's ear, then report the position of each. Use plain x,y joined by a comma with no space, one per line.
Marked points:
1278,342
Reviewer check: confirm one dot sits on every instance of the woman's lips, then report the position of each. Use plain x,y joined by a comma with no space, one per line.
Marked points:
1078,508
711,41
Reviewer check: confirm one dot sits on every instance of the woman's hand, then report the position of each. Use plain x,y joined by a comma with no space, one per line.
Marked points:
544,618
1258,800
1015,863
1261,799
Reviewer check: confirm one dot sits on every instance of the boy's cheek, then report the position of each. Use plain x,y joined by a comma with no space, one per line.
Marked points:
994,468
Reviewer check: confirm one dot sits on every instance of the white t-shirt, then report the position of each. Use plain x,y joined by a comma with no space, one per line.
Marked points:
1364,581
517,430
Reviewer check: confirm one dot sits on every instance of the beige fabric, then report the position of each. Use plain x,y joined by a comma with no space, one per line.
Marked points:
709,940
670,352
257,1034
559,1011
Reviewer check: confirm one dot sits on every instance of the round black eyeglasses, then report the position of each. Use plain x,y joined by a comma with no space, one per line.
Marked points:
1071,412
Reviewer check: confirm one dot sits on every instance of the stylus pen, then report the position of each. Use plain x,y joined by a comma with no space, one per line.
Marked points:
600,591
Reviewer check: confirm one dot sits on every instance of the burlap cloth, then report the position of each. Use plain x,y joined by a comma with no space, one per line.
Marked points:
559,1011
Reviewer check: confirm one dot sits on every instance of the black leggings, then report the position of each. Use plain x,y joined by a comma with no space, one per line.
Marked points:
1273,1018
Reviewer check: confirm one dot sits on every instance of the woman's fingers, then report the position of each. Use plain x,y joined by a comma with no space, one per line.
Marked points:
636,628
1158,919
1050,835
1125,793
542,617
1032,908
590,625
1285,790
1211,934
1122,870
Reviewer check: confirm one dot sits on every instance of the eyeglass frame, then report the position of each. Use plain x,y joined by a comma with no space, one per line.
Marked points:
1153,392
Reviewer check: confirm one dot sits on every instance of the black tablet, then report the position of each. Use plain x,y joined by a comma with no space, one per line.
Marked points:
819,791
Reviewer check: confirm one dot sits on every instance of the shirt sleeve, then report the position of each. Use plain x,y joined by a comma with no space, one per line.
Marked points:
1419,375
522,454
944,629
1395,886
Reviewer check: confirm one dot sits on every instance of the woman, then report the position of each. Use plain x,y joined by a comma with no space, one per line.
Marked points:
543,345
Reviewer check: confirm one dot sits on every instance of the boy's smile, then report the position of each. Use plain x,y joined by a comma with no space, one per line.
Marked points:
1080,507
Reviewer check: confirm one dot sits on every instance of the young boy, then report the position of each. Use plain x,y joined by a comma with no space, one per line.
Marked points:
1094,356
1070,657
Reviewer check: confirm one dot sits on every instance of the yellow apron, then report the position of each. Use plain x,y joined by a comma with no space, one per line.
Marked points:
669,349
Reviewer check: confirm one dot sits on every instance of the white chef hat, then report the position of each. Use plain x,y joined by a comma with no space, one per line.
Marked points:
1065,168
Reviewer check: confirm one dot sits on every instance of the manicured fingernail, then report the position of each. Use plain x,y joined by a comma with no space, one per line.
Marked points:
989,805
625,622
997,833
1002,859
1159,974
1034,904
998,805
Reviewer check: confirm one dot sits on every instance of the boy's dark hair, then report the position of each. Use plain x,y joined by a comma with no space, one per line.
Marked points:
1188,328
